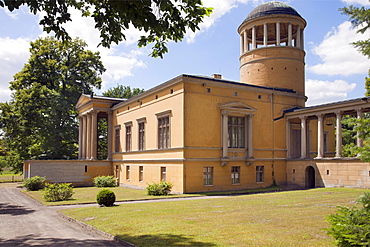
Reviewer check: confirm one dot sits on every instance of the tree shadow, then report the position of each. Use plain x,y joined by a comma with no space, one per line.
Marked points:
14,210
36,240
161,240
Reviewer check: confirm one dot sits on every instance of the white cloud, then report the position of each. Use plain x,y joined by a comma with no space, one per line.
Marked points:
320,92
220,8
119,60
361,2
338,55
13,55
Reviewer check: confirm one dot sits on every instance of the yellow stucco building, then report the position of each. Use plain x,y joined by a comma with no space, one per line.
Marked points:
210,134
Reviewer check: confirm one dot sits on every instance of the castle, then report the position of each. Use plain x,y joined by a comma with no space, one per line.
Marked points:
209,134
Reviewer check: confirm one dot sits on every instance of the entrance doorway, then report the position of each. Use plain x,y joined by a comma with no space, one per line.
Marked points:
310,177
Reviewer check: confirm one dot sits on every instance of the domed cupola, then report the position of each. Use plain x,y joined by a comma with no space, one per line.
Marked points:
271,46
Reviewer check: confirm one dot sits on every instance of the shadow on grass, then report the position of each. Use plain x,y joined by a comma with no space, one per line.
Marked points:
161,240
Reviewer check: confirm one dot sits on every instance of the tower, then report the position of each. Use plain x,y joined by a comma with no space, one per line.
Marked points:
271,47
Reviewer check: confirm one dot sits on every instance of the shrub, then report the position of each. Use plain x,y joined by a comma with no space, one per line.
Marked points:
57,192
351,226
105,181
34,183
106,197
161,189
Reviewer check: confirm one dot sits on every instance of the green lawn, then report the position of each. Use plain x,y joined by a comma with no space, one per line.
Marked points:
7,176
88,195
290,218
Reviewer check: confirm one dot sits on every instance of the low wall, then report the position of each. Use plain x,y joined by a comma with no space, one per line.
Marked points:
77,172
344,172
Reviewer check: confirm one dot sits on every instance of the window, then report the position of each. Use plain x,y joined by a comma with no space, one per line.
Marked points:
259,174
208,175
141,173
163,174
141,136
128,137
235,174
236,130
164,132
128,173
117,131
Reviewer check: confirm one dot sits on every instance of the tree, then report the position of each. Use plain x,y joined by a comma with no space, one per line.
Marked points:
360,18
39,122
119,91
161,20
123,92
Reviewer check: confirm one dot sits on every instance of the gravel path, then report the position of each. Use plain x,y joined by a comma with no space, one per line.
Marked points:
25,222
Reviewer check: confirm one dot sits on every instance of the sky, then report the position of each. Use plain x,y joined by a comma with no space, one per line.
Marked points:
335,70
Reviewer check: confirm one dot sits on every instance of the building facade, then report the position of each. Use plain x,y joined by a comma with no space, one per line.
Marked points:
209,134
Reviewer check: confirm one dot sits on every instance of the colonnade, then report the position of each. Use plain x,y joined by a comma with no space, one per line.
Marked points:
88,135
320,133
259,35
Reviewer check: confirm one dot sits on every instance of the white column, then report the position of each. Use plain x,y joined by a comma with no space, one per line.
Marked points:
287,134
338,150
110,135
302,39
241,44
80,136
298,37
278,33
320,136
88,137
250,135
225,134
254,42
265,35
303,137
84,137
360,142
246,42
290,34
94,134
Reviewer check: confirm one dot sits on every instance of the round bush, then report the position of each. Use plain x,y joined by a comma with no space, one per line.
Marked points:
106,197
34,183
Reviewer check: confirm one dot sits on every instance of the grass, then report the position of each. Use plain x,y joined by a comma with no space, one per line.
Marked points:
7,176
289,218
88,195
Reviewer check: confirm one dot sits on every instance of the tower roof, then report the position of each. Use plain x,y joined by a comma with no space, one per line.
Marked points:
272,8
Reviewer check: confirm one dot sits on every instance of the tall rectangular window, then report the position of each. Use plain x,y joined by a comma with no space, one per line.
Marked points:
236,130
259,174
235,174
128,138
141,136
117,137
163,174
141,173
128,173
163,132
208,175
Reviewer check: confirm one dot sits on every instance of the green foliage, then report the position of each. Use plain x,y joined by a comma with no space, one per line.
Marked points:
106,197
34,183
57,192
351,226
161,21
40,120
159,189
105,181
123,92
360,18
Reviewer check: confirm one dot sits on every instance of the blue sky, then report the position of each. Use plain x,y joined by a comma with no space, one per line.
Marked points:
334,69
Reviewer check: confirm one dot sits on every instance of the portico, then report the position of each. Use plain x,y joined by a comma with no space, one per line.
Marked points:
91,110
325,121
